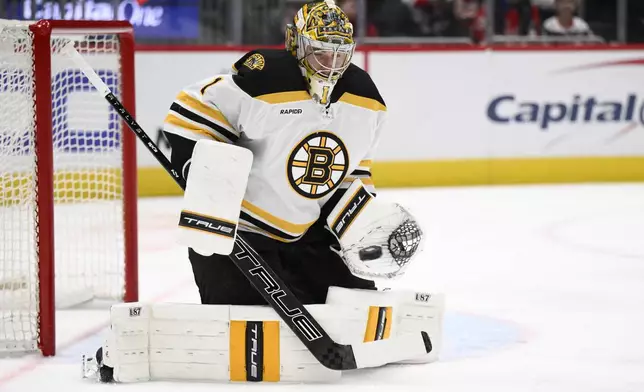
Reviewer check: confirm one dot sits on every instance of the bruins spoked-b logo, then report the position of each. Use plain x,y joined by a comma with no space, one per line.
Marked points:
255,61
317,164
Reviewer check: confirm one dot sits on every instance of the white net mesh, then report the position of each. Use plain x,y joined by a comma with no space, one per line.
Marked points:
88,197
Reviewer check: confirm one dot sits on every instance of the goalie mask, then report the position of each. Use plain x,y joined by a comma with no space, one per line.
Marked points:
321,39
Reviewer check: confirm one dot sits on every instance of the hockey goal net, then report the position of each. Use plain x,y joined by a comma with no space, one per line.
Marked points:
67,177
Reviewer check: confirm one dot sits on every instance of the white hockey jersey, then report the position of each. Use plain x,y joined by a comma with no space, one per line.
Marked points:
302,153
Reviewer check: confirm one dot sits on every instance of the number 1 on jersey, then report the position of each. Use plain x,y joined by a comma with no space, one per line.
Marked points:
325,95
218,79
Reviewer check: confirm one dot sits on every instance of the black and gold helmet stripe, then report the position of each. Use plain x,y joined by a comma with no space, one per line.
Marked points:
320,20
305,10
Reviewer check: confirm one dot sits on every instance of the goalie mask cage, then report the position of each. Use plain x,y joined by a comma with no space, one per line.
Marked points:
67,176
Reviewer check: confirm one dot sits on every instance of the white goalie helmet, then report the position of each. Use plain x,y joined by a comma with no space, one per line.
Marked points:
321,38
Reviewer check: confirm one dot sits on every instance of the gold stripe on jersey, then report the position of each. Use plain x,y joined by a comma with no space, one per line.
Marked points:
205,110
249,227
186,134
294,229
367,103
202,121
365,164
367,180
285,97
187,125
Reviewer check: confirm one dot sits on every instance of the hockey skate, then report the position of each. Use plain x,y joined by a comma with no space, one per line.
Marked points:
93,368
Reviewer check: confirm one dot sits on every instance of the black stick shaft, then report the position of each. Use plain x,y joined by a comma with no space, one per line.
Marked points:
272,288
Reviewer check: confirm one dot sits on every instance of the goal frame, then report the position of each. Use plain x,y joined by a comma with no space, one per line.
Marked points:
42,31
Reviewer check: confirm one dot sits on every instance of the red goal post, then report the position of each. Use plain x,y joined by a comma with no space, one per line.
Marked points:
68,185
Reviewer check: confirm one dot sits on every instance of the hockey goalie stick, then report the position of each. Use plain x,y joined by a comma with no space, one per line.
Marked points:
290,309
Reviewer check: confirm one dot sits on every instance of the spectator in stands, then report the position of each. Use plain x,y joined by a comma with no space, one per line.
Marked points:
545,9
279,21
350,7
438,17
393,18
504,8
511,18
635,22
565,23
466,14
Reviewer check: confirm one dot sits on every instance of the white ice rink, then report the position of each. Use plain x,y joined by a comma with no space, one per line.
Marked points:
544,288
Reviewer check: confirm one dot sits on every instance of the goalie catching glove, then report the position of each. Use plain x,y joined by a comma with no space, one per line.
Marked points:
377,239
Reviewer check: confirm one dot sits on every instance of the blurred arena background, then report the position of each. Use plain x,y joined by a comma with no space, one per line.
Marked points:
480,92
485,97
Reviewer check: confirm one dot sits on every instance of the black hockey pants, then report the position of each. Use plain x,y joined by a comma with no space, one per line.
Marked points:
307,266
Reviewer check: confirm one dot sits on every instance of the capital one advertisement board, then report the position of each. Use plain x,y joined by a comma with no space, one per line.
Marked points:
511,104
151,18
576,103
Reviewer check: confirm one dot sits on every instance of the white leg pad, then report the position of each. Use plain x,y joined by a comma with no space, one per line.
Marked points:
378,315
212,343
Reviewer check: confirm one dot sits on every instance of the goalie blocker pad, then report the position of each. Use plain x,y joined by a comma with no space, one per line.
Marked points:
250,343
212,199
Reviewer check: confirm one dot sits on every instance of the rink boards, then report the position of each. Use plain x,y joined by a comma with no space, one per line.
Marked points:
459,116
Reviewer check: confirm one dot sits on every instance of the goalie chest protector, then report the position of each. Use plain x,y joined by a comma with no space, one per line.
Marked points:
302,151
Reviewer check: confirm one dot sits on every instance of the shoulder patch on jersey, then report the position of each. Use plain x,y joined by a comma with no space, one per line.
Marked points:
357,88
255,61
317,164
268,71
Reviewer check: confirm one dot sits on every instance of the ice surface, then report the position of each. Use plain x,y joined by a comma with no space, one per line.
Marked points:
544,286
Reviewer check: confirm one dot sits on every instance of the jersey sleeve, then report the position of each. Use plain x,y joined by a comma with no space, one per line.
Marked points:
359,83
223,107
363,171
214,108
